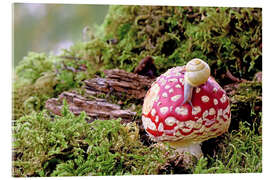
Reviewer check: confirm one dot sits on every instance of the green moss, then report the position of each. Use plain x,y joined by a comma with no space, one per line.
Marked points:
32,67
39,77
32,97
246,104
227,38
240,152
69,146
231,39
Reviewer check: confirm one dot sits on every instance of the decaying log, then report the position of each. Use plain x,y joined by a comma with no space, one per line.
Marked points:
95,109
119,82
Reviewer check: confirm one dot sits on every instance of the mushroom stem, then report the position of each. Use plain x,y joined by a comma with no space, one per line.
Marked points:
194,149
188,90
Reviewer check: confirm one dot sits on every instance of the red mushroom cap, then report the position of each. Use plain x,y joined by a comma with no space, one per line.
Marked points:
165,119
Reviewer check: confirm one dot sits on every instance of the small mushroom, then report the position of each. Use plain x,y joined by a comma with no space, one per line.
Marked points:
168,118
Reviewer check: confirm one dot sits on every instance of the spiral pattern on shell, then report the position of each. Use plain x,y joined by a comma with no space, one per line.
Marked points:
197,72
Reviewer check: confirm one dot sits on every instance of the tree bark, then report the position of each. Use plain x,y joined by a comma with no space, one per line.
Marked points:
117,82
95,109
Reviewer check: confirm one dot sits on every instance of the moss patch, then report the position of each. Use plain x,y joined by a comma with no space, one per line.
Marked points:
69,146
246,104
237,152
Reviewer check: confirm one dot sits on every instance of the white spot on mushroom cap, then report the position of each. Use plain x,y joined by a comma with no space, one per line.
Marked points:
176,97
171,90
205,113
202,129
186,130
225,112
152,126
205,99
212,111
227,109
162,81
157,119
153,112
209,122
143,121
215,101
181,80
157,98
164,110
164,94
172,80
168,131
160,127
177,133
146,122
189,124
177,86
197,125
223,98
181,110
196,110
178,74
215,89
170,121
180,125
199,120
198,90
167,87
150,98
220,112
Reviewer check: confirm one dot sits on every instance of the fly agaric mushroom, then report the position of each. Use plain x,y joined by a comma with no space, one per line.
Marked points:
167,117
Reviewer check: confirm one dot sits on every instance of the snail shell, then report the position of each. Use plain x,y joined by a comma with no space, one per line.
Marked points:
197,72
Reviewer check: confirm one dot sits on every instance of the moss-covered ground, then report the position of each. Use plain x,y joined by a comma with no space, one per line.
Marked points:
229,39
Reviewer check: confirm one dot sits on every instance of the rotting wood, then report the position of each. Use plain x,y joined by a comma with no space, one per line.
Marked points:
116,81
119,82
95,109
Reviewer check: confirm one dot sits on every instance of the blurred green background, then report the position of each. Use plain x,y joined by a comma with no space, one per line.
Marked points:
51,27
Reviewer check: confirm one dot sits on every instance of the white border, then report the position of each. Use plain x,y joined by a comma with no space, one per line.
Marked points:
6,51
227,3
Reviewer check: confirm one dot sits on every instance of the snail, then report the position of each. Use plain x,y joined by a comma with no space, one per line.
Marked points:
197,73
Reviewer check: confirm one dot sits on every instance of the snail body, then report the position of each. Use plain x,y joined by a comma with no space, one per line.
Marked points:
197,73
